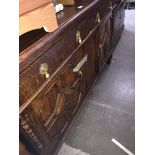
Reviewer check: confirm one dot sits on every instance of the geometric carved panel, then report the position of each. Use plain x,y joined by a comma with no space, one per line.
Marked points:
48,103
102,34
56,104
51,110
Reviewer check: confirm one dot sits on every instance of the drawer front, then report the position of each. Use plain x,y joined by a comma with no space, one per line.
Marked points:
48,115
104,46
90,21
94,17
97,13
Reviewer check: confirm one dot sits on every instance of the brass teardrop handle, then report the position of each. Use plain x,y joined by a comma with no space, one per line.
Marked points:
98,17
78,37
44,70
80,73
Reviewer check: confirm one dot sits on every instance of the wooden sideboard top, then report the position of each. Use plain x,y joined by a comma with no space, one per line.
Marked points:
35,43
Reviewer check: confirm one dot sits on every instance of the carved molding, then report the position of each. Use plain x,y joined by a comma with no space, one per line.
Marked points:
29,132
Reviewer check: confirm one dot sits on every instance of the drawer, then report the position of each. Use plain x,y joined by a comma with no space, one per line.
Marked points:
82,29
94,18
89,22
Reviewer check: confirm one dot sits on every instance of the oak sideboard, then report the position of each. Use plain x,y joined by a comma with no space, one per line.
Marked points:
57,70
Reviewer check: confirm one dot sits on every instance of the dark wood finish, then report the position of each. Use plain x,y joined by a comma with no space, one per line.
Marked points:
89,49
104,43
48,106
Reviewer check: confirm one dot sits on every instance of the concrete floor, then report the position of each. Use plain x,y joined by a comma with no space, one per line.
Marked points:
109,111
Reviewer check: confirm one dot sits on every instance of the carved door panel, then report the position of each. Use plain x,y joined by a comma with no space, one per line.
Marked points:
121,16
74,83
55,105
107,38
101,54
104,46
120,13
90,49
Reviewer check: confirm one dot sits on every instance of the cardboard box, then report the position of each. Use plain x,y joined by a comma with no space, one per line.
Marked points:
43,16
66,2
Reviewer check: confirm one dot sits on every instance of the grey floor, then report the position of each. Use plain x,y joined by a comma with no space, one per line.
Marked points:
109,111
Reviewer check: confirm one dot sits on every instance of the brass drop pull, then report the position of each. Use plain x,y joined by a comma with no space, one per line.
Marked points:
78,37
79,65
101,49
110,8
44,70
80,73
100,46
98,17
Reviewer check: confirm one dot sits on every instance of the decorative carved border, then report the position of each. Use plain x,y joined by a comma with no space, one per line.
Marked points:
27,129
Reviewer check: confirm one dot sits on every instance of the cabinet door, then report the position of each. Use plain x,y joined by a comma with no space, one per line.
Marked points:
101,52
89,48
122,16
104,46
118,24
53,108
107,38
